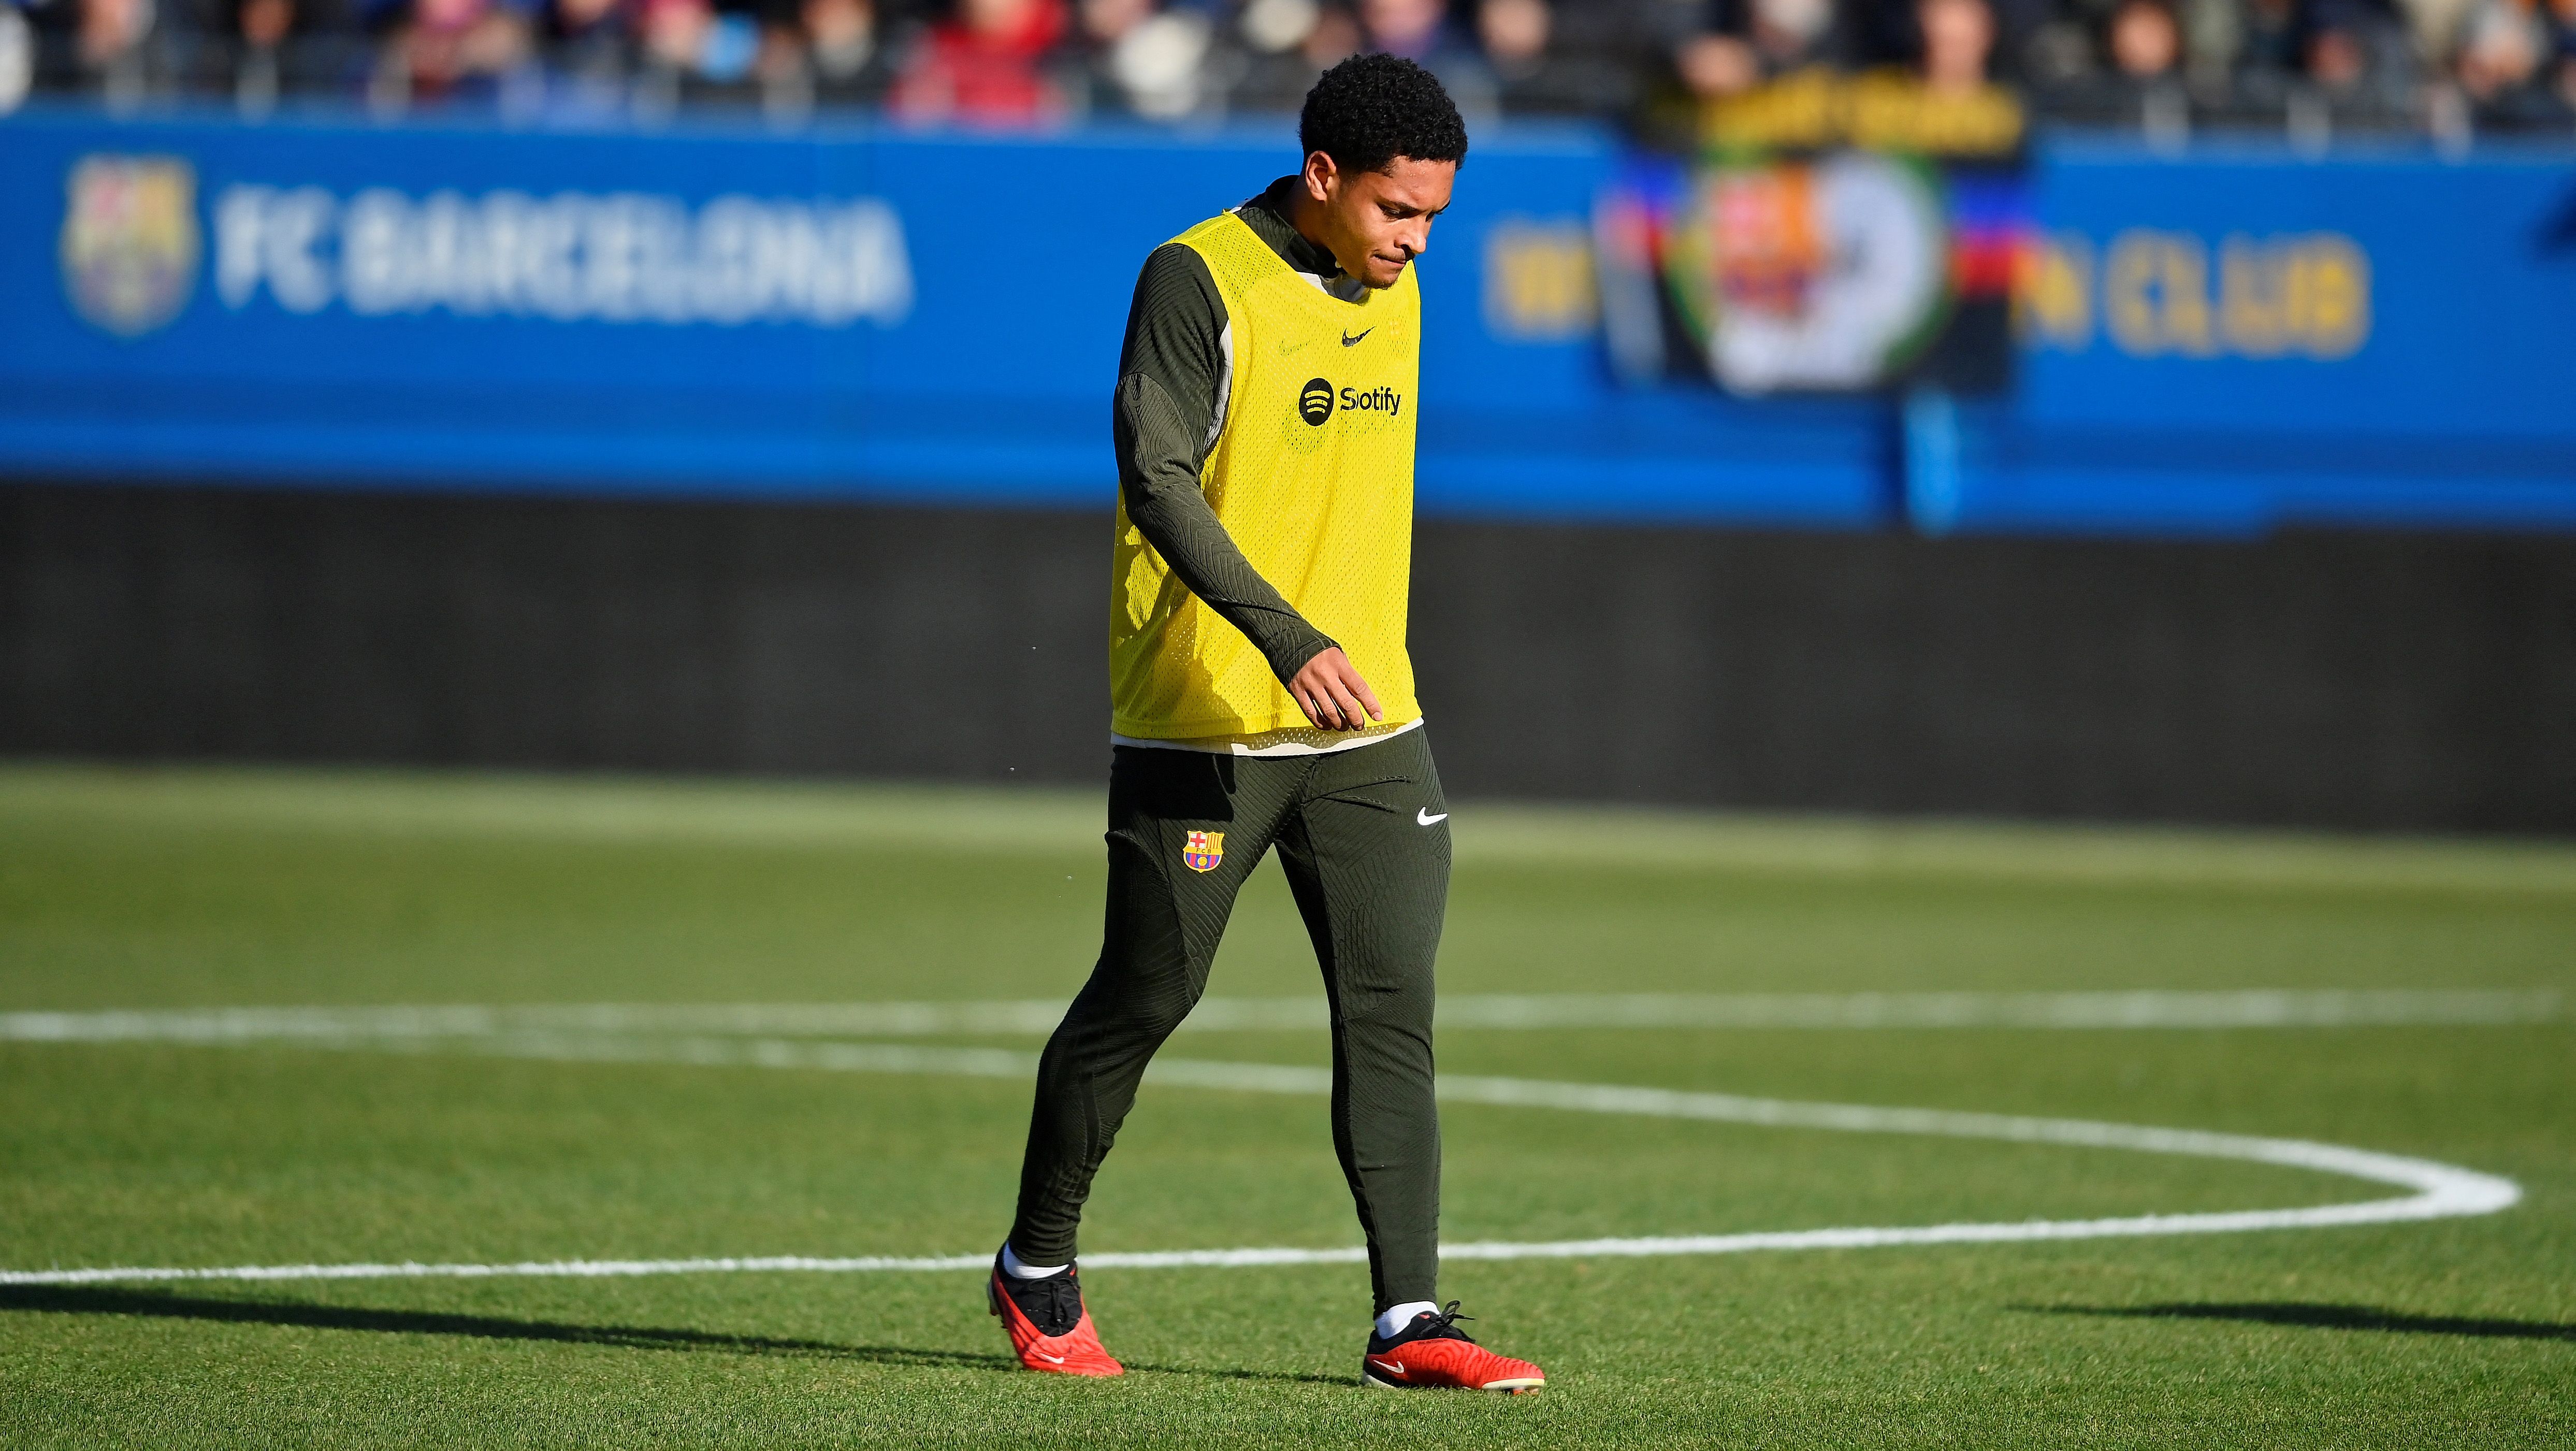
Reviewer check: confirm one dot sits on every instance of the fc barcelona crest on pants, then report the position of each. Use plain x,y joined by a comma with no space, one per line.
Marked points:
1203,850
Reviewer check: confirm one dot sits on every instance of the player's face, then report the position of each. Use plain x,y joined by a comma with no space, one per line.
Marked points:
1377,221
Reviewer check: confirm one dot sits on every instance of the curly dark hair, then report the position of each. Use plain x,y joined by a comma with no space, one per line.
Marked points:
1371,109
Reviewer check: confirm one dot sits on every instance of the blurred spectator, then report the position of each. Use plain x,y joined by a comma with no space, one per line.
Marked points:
2145,41
677,34
1420,31
846,56
113,29
2213,32
692,51
442,50
2105,62
1873,33
2267,49
1945,103
1790,34
17,57
1783,72
271,47
1147,60
2359,54
2562,59
1538,72
1958,41
591,51
779,65
121,49
260,27
985,66
1716,63
1750,41
1515,34
2437,27
2500,52
1949,104
2502,69
2335,53
1286,44
2140,79
1335,38
1271,27
2066,50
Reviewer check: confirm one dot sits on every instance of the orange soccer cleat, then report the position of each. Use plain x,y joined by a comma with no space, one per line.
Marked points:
1049,1326
1434,1352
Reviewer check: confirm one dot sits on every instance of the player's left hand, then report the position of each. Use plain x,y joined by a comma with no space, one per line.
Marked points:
1332,694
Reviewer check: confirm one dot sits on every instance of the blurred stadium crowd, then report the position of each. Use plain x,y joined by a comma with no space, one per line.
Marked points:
2164,66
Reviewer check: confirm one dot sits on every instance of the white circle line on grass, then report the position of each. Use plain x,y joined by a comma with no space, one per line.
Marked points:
2438,1190
2071,1011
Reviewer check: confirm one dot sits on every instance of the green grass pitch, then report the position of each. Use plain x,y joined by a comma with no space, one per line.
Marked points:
171,890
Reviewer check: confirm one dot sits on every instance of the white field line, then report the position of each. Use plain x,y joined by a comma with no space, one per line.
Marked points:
2438,1190
2261,1008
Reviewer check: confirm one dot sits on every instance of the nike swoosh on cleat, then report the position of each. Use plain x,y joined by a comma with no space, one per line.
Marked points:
1422,817
1042,1355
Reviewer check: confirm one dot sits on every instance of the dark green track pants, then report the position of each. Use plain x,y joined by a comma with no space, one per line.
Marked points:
1362,836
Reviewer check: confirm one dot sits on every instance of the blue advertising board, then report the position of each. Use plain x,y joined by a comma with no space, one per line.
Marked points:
2244,338
2216,343
836,314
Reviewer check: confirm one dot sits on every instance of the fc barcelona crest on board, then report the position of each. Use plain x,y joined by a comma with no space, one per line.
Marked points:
130,241
1203,850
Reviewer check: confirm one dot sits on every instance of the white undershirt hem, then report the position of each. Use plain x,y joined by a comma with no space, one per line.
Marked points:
1293,741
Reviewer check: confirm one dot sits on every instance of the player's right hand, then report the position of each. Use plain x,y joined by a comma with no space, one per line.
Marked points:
1332,694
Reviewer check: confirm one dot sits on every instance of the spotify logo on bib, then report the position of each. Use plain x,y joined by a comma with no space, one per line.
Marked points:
1315,403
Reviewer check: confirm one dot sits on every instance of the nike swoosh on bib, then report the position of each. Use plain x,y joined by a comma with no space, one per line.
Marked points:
1422,817
1351,342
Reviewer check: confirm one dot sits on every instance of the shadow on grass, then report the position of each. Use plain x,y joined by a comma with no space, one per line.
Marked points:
2326,1317
86,1300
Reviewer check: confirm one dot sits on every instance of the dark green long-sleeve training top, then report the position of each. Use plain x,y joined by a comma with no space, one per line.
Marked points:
1173,377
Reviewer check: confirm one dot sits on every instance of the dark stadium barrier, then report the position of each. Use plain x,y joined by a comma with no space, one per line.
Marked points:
2417,681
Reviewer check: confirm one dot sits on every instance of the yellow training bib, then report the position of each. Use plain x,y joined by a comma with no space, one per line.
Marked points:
1312,475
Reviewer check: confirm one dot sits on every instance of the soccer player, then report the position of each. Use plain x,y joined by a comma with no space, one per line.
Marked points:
1261,699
